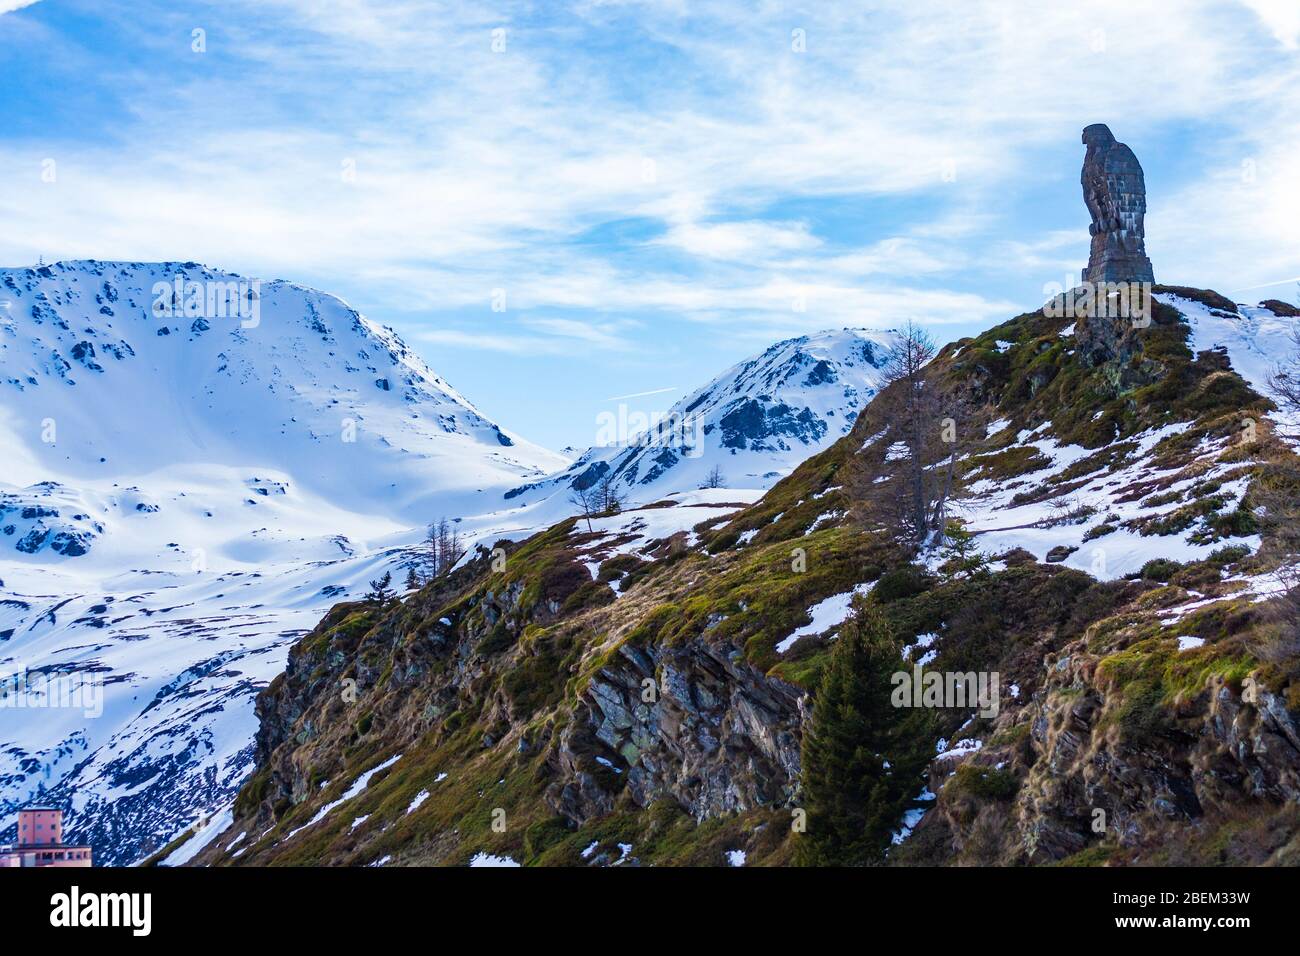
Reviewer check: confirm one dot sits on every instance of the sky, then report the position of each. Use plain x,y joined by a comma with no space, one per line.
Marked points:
563,204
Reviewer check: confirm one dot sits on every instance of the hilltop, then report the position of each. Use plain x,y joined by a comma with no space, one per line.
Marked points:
638,691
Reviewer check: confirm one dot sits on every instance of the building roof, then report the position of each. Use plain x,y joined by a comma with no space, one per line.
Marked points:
23,848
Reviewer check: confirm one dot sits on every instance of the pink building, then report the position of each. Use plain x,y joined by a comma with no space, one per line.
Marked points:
40,842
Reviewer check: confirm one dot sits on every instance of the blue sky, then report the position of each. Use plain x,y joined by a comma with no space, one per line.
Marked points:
659,189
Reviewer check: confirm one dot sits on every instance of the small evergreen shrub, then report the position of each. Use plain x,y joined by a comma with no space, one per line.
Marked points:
1160,569
905,582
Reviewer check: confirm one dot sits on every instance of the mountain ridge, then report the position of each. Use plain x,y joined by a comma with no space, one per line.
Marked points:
1155,693
183,496
754,422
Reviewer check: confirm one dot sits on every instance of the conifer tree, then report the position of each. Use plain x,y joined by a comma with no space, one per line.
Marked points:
963,559
862,757
380,592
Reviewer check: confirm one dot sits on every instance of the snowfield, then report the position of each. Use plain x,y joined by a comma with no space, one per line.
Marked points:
824,615
183,497
1039,527
639,531
1254,341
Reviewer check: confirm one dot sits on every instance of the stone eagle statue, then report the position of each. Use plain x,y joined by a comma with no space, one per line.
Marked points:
1116,195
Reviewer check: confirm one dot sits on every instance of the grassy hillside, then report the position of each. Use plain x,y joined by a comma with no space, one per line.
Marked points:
600,699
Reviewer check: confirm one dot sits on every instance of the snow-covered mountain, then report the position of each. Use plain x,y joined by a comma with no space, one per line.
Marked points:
754,423
197,465
112,370
194,466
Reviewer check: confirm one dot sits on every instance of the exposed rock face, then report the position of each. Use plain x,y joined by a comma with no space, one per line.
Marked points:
1090,777
1116,194
717,735
1114,340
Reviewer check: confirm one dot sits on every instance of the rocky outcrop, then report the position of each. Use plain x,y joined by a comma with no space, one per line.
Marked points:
1218,753
1114,340
593,694
1088,774
693,723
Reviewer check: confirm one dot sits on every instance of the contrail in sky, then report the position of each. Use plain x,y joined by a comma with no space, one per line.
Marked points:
657,391
1264,285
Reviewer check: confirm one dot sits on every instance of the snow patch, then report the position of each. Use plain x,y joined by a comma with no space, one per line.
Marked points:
830,612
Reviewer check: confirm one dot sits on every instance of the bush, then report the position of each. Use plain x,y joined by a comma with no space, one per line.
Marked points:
1229,555
900,583
986,783
1160,569
1234,524
1196,576
1100,531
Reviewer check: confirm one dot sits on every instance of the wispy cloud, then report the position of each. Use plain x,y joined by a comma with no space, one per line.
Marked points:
9,6
382,135
749,241
1281,17
789,167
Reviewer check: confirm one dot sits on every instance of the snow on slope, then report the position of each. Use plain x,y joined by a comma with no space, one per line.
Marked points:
181,497
995,511
755,422
312,382
1255,339
645,533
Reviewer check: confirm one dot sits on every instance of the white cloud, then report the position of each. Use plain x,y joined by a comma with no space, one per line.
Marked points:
740,240
598,335
1054,253
9,6
897,256
1281,17
475,170
1238,224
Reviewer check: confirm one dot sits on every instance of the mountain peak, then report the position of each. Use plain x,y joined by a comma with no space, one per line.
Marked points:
139,365
753,423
